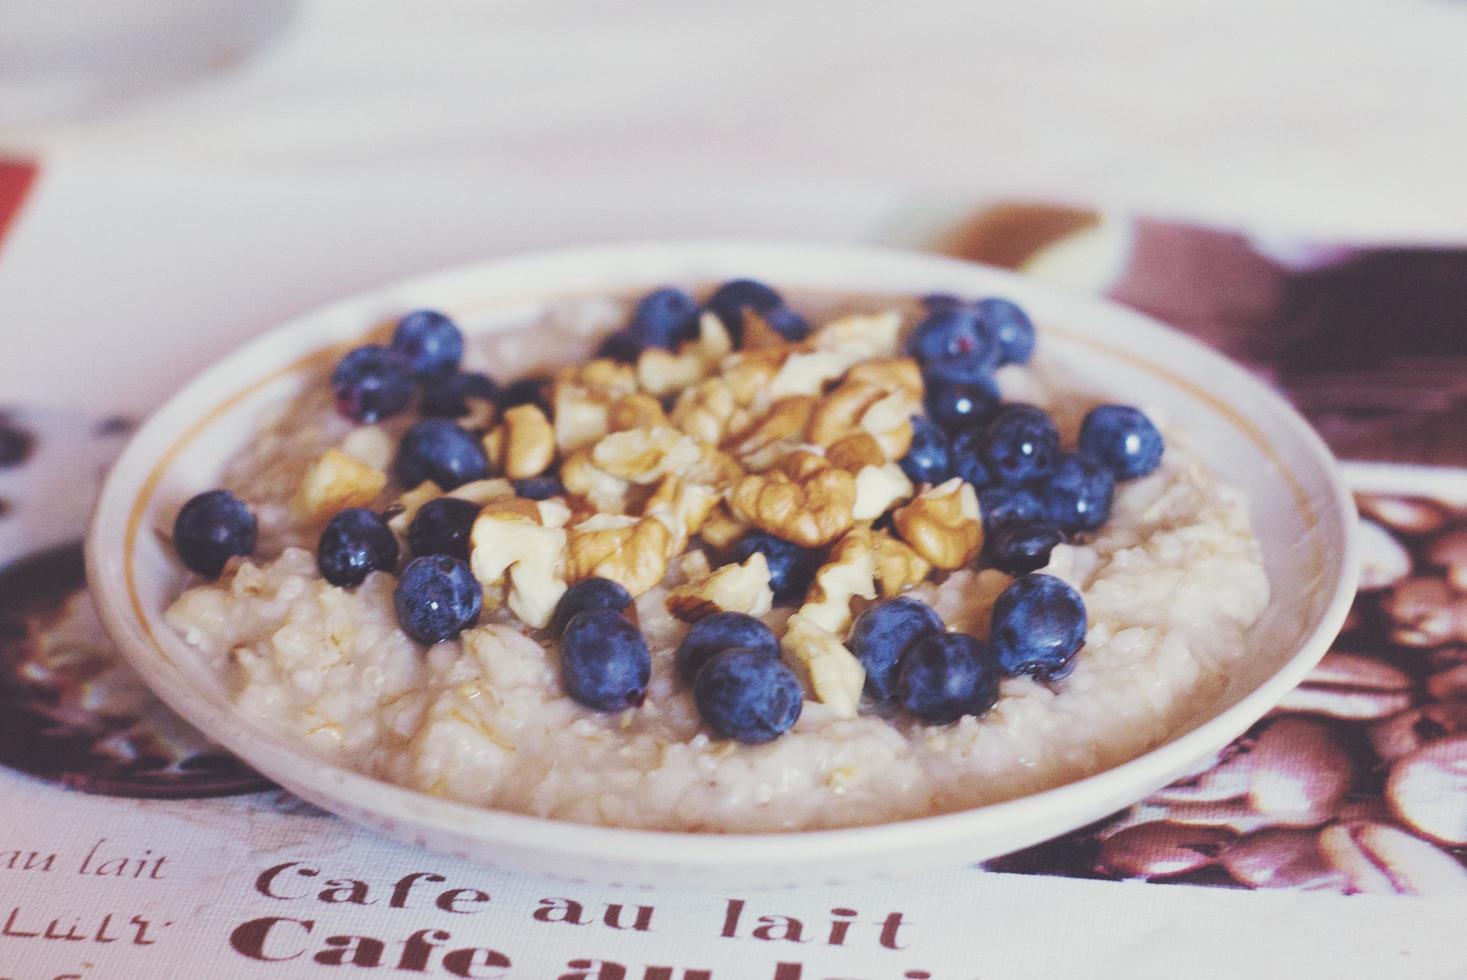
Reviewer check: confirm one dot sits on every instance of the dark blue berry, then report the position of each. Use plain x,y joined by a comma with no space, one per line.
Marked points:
1038,626
791,567
604,660
967,369
371,383
531,390
621,346
453,395
356,541
588,594
954,343
1077,492
1022,444
539,488
943,677
1017,547
441,527
438,450
430,341
883,633
437,598
929,460
937,302
748,696
967,458
212,528
1011,326
664,318
1122,438
731,301
723,631
957,405
1005,505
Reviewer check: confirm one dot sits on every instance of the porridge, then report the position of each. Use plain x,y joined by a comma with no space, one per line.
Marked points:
721,567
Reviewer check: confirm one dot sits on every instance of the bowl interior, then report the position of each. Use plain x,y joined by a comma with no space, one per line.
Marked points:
1300,510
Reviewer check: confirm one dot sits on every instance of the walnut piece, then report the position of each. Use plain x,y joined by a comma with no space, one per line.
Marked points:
856,451
606,494
369,445
878,489
636,411
683,506
410,503
582,415
898,567
850,572
861,335
632,551
810,513
732,588
722,529
335,481
523,444
785,420
705,410
942,524
513,554
829,671
661,372
645,456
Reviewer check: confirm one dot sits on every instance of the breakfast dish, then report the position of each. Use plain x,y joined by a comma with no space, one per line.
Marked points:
729,565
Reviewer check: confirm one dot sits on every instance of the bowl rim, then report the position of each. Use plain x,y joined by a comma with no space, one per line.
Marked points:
126,489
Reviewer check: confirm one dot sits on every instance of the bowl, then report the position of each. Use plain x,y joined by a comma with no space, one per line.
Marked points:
1301,512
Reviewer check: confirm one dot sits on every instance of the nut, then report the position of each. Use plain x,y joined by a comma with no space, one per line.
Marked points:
636,411
1376,858
1426,613
889,419
1352,687
721,529
732,588
511,552
369,445
807,373
942,524
705,410
583,478
1427,790
784,422
862,335
878,489
857,450
479,491
1450,552
603,375
631,551
645,456
898,567
661,372
839,413
714,467
683,506
581,415
850,572
751,373
802,464
334,482
523,444
891,374
410,503
830,671
809,513
714,342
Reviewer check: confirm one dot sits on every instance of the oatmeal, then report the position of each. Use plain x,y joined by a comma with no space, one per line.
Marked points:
723,569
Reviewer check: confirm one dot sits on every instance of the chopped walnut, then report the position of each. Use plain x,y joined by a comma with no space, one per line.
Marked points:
705,410
632,551
714,342
661,372
898,567
785,420
523,444
891,374
582,415
683,506
513,555
830,671
369,445
855,452
714,467
808,373
810,513
334,482
722,529
732,588
478,491
646,455
605,493
942,524
878,489
603,375
638,411
839,413
410,503
849,573
861,336
750,374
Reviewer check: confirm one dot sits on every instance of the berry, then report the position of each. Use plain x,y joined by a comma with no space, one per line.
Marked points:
441,527
621,346
1077,494
436,598
1123,439
733,299
430,341
356,541
539,488
929,460
1023,444
956,405
1038,626
533,389
212,528
587,594
945,676
883,633
966,369
954,343
967,458
791,568
723,631
370,383
936,302
450,396
1005,505
438,450
664,318
748,696
604,660
1018,547
1012,328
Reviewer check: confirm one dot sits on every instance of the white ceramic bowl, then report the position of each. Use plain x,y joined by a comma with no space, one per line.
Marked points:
1301,512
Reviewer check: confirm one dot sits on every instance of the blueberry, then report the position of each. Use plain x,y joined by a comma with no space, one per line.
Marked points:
533,389
955,343
441,527
733,299
791,567
945,676
929,460
664,318
438,450
1023,444
1122,438
1004,505
437,598
936,302
430,341
956,405
723,631
212,528
965,369
967,458
1017,547
748,696
1038,625
883,633
621,346
539,487
370,383
588,594
356,541
604,660
452,395
1077,493
1012,328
